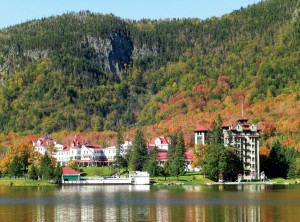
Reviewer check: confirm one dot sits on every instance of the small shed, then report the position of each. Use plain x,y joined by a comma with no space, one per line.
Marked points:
68,174
221,178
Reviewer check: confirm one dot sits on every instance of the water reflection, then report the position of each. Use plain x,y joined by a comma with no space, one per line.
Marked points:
151,203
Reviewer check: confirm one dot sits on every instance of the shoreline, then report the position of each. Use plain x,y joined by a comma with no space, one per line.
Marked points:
185,181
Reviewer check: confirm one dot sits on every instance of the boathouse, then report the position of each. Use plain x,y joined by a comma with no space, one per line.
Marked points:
68,174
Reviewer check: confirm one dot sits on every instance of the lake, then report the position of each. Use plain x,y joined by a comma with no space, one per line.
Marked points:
151,203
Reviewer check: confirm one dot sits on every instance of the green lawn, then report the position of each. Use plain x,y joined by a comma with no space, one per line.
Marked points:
96,171
281,180
188,179
24,182
193,178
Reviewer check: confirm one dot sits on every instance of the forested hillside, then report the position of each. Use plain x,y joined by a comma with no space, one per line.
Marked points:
92,72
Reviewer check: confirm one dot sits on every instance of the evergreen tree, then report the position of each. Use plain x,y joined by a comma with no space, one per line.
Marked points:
179,146
211,161
138,153
294,168
33,172
218,160
291,157
172,146
24,161
215,134
15,168
230,165
58,173
46,168
277,165
152,166
165,169
178,164
170,155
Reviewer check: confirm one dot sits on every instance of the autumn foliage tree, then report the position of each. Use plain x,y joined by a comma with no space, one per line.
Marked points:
199,152
23,151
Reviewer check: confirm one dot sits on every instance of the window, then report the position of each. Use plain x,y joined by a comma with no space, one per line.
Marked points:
199,139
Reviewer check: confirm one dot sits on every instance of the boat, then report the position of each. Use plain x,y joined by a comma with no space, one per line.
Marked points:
134,178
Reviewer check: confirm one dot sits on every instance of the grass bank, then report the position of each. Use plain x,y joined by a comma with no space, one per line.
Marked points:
193,178
24,182
96,171
188,179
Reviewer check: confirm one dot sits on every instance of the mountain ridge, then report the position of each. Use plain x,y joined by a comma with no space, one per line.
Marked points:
90,72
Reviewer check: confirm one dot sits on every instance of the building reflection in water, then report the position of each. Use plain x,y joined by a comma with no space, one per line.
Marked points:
114,206
145,203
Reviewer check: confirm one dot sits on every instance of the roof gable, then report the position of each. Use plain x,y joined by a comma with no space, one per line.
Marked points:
69,171
202,128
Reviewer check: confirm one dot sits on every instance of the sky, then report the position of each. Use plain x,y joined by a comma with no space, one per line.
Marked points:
14,12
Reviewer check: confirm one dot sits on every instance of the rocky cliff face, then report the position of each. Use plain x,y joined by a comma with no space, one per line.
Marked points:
144,51
112,53
37,54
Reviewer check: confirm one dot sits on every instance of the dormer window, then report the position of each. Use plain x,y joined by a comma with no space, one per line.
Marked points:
253,128
157,141
239,128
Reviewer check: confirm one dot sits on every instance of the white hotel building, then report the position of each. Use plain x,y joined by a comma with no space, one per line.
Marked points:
81,153
243,138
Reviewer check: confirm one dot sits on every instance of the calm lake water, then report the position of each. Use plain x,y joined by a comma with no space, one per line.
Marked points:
151,203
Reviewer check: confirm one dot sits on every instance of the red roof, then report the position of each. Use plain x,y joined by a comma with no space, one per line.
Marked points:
92,146
189,155
161,156
202,128
67,148
163,140
69,171
227,124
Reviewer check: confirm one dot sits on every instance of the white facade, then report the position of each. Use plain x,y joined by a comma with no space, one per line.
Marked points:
82,154
161,143
200,137
126,147
243,138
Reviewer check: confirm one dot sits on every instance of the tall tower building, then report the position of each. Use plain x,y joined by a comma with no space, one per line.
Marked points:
243,138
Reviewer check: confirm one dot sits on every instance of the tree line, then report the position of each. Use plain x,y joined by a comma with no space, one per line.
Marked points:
213,158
